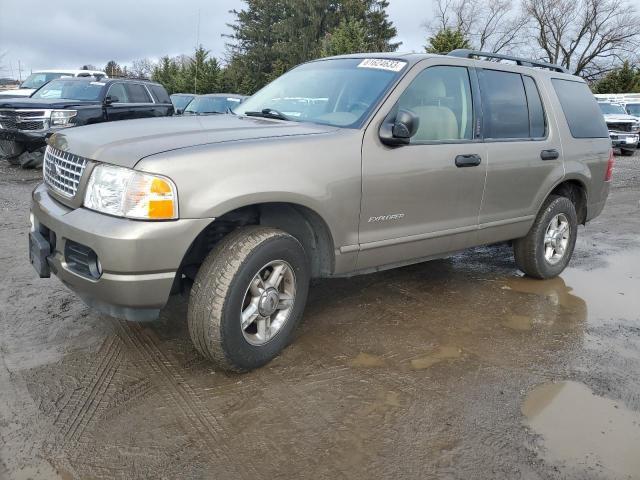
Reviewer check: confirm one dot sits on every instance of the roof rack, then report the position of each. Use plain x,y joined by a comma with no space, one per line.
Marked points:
466,53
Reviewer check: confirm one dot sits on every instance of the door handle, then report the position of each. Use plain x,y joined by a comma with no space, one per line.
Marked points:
549,154
470,160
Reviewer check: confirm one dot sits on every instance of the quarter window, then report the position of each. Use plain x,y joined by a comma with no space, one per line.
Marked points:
580,108
137,93
441,98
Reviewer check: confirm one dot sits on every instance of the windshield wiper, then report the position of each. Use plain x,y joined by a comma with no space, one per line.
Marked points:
268,113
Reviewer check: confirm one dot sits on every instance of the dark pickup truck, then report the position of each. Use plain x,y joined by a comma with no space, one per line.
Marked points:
25,124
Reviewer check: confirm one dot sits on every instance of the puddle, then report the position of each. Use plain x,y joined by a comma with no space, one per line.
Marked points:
583,430
520,323
366,360
437,356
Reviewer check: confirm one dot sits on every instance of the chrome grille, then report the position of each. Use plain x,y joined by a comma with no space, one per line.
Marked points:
24,119
62,171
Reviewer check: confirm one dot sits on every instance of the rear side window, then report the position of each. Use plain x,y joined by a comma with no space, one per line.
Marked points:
160,94
537,121
580,109
137,93
504,105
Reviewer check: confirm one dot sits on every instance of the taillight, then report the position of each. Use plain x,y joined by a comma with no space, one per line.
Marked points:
610,163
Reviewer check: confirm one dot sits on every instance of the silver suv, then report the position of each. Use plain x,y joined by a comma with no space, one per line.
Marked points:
342,166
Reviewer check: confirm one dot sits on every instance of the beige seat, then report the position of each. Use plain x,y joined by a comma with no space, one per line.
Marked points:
437,122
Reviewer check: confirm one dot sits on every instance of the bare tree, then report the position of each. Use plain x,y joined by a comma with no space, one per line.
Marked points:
490,25
588,37
142,68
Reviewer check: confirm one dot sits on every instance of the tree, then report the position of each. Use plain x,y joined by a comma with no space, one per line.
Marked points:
588,37
88,67
625,79
112,69
166,72
349,37
446,40
142,68
270,36
201,74
488,25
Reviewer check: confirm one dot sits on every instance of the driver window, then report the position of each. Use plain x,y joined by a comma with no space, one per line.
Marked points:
117,90
441,98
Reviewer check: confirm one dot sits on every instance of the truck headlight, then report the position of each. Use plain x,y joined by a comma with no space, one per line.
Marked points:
128,193
62,118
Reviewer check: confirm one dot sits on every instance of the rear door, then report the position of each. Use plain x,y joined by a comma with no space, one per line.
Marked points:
424,198
524,153
141,104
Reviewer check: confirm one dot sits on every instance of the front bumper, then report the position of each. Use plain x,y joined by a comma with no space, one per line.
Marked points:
624,139
32,140
139,259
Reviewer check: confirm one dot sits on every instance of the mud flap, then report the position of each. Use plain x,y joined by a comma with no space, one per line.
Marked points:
39,250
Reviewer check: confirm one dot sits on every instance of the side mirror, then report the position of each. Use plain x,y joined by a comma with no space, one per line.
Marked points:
179,111
111,99
399,130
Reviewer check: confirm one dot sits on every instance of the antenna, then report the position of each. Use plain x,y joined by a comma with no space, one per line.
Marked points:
195,78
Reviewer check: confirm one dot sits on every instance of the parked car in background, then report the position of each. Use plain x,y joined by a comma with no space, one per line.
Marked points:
384,162
624,129
8,84
40,77
213,103
633,109
25,123
180,101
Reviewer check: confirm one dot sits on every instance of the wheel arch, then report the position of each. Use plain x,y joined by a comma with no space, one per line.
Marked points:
575,189
300,221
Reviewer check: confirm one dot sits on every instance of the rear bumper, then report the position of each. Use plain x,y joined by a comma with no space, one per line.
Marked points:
139,259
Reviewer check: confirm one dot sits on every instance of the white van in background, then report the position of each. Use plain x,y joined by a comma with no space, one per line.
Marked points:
40,77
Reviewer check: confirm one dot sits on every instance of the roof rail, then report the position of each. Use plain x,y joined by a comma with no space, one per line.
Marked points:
466,53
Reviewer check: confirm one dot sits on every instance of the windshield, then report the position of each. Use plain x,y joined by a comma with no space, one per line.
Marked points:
70,90
338,92
610,108
633,109
211,104
181,101
36,80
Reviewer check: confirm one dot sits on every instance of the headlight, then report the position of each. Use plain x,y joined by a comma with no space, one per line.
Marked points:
62,118
128,193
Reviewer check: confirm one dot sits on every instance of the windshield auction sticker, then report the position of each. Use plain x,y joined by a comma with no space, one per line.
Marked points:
382,64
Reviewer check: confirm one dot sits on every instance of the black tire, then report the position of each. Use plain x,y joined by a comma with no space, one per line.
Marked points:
219,291
529,251
626,153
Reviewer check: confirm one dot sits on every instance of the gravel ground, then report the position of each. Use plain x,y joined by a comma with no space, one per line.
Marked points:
452,369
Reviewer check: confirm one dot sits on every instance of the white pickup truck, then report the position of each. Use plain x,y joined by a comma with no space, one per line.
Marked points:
40,77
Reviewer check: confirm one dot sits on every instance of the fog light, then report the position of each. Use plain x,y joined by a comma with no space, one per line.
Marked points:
82,260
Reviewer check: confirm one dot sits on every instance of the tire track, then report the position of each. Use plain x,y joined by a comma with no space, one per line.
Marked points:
84,403
207,427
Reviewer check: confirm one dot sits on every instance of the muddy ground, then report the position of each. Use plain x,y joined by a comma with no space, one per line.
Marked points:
453,369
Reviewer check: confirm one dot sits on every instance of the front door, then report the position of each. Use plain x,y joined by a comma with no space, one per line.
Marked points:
423,199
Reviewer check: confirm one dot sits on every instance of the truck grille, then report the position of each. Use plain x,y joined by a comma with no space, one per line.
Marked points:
24,119
62,171
621,126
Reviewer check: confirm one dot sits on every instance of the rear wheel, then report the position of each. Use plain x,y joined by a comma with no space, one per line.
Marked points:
248,297
546,250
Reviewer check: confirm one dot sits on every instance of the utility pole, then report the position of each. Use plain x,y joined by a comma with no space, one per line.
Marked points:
19,72
195,79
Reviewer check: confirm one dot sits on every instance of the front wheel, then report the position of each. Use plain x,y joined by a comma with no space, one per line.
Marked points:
546,250
248,297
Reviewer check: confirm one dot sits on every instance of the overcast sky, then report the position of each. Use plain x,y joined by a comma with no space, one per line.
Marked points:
71,33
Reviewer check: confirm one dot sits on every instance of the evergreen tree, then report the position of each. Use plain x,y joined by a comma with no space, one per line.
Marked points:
349,37
447,40
112,69
625,79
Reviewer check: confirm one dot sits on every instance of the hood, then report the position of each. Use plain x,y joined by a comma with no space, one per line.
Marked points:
17,92
44,103
619,117
126,142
